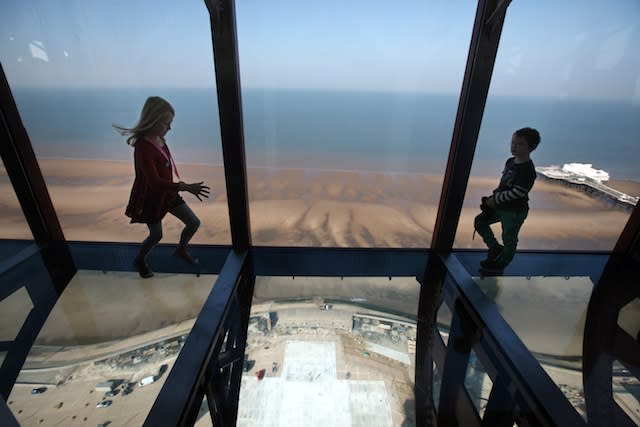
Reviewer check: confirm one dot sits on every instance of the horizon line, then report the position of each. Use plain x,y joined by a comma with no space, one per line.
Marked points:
630,100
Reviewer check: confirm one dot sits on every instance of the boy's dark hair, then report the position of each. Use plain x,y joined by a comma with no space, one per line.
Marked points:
530,135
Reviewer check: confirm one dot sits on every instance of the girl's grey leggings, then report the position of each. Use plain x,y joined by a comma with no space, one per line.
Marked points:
184,213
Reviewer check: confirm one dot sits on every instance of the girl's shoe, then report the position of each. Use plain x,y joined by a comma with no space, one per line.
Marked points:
142,268
184,255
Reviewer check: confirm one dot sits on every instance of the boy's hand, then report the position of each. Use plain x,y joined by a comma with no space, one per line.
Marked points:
490,202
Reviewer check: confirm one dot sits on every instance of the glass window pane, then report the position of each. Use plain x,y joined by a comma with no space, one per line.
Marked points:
577,83
348,115
554,336
110,337
13,224
331,351
76,69
626,391
443,319
477,383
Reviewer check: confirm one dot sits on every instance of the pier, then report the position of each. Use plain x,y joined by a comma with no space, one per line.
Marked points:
587,179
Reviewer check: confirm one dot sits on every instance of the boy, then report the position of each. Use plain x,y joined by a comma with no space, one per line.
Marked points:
509,203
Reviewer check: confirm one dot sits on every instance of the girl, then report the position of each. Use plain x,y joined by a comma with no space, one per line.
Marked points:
154,193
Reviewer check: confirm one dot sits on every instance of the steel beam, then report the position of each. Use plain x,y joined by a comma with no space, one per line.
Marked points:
184,388
475,87
542,399
227,72
31,190
429,300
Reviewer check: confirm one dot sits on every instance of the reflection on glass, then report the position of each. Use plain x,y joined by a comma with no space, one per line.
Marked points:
626,391
444,322
76,69
14,310
437,383
477,383
326,351
577,85
110,338
626,387
627,319
13,225
347,131
554,336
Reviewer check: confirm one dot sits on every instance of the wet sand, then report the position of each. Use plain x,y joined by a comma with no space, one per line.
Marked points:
298,207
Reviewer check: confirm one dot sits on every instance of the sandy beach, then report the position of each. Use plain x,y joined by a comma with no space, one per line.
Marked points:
301,207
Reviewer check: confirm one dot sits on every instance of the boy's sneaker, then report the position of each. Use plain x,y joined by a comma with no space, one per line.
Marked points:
494,253
492,268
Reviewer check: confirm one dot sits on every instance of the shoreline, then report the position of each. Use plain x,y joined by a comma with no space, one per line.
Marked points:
619,184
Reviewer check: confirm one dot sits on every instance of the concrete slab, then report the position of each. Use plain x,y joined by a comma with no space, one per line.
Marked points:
308,394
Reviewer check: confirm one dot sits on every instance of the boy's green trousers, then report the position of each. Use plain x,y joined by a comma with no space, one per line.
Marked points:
511,222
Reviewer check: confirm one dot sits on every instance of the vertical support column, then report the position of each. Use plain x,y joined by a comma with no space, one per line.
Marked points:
455,368
239,342
429,300
225,51
225,55
25,175
475,87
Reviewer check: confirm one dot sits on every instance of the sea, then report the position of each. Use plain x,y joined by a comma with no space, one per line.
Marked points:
336,130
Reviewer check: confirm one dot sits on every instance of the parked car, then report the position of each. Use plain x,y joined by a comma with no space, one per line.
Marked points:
104,404
147,380
127,390
112,393
248,364
163,368
38,390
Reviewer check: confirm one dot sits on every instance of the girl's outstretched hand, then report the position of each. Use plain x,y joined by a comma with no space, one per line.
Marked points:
197,189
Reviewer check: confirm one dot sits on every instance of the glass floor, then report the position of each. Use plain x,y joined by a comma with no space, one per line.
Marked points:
110,333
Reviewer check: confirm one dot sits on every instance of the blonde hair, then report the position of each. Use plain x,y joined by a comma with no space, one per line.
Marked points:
153,110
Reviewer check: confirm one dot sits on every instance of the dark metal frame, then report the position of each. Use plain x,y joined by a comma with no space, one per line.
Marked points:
25,175
44,284
483,49
522,391
27,270
604,341
211,361
227,73
212,358
475,87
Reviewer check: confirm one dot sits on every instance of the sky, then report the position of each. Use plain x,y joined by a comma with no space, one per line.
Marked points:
568,49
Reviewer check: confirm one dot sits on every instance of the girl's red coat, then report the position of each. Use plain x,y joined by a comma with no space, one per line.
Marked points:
154,191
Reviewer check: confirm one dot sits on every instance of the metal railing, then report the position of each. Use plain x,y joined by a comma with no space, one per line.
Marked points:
211,361
24,270
522,392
